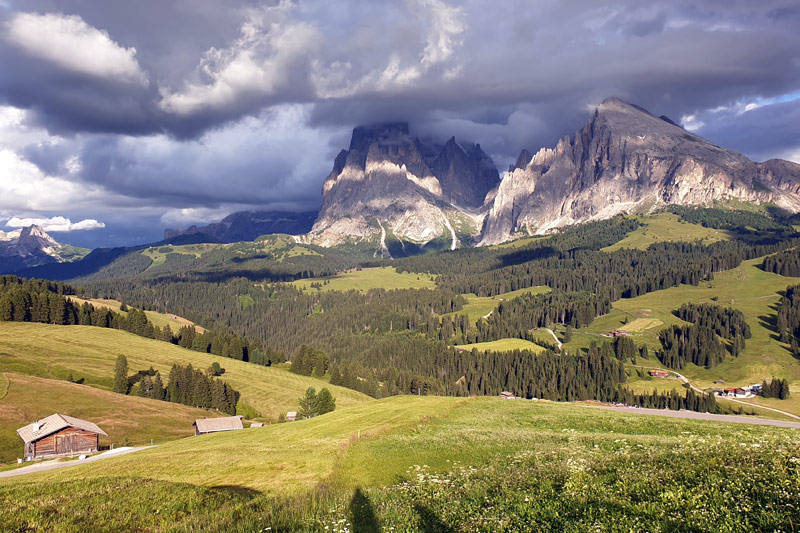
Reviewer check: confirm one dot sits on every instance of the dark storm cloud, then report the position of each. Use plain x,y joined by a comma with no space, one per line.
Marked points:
183,96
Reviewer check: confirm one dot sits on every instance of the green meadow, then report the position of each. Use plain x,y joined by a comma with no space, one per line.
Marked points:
369,278
668,227
434,464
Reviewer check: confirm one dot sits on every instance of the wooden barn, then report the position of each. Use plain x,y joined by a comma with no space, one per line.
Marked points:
59,435
214,425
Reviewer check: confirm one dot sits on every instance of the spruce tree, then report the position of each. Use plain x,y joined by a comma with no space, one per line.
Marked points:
325,402
121,375
308,404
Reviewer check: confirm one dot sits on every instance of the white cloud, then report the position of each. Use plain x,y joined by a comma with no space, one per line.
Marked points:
447,25
69,42
258,63
55,223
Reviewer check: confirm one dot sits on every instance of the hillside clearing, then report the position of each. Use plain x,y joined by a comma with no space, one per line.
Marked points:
667,227
478,307
502,345
369,278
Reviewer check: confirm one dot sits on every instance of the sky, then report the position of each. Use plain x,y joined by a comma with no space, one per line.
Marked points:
119,119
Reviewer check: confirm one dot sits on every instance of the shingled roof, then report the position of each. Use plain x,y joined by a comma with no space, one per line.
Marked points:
212,425
53,423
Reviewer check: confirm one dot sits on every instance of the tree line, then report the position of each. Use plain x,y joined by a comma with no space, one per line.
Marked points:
186,386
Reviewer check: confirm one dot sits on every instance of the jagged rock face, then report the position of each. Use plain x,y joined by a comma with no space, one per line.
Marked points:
625,160
26,247
390,183
249,225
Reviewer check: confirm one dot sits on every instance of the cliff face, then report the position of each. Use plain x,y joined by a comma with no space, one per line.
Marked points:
625,160
390,185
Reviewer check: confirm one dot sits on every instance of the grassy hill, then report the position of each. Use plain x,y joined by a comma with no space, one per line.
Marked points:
435,464
126,419
668,227
89,353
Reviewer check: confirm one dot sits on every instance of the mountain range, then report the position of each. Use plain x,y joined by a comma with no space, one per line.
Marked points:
396,195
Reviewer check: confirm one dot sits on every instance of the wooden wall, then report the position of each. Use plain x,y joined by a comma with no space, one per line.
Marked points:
68,441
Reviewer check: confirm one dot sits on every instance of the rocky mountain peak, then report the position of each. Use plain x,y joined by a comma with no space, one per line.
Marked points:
389,177
626,159
30,246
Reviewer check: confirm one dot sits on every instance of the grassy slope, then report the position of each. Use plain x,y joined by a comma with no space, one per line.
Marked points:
747,288
281,458
667,227
124,418
448,459
157,319
370,278
503,345
90,353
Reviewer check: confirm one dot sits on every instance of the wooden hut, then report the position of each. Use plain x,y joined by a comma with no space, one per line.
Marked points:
60,435
215,425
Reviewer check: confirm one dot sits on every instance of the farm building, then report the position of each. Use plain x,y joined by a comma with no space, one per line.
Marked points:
507,395
659,373
620,333
291,416
59,435
215,425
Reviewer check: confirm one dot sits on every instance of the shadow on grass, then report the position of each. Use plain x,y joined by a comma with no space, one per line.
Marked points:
429,522
362,514
237,490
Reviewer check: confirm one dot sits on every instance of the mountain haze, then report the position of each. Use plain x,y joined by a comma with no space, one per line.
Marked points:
248,225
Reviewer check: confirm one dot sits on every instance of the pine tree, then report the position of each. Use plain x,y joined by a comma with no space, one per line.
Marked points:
157,392
121,375
308,404
325,402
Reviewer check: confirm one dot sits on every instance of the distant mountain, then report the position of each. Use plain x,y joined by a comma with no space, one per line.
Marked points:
32,246
391,187
247,226
627,160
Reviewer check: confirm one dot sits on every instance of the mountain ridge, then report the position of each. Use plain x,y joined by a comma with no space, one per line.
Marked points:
624,160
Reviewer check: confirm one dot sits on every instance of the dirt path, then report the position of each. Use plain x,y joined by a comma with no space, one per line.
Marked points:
41,467
736,419
551,332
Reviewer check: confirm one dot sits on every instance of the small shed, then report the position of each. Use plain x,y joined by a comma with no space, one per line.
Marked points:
215,425
507,395
60,435
257,425
291,416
